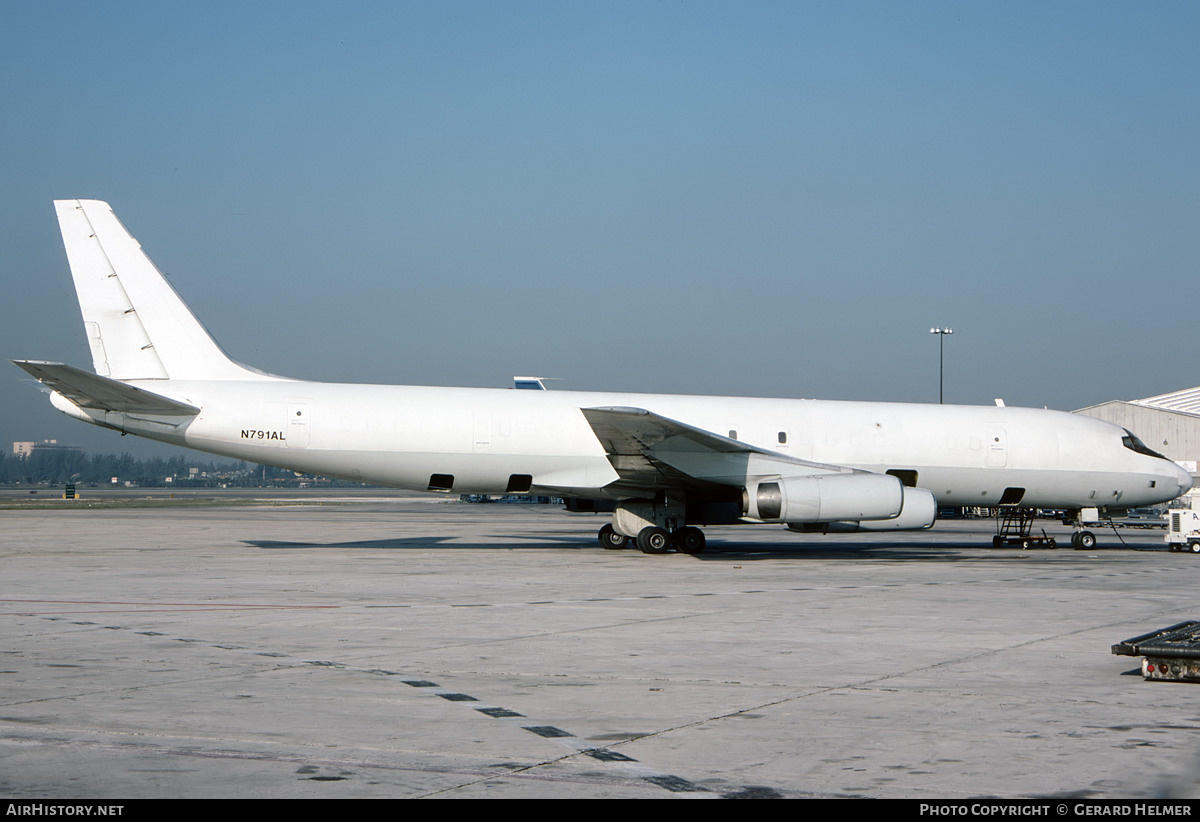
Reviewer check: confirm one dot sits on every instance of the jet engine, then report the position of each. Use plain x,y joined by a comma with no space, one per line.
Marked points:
919,512
825,498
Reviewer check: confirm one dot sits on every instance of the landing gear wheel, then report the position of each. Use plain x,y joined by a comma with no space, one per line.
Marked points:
611,539
1083,541
689,540
653,540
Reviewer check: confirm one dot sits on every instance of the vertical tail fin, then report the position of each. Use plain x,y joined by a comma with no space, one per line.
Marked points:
137,326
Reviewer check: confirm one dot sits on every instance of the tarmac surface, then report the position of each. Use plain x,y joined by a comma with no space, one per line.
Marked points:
371,644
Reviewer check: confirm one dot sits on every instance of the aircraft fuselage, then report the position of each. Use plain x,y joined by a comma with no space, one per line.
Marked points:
401,436
666,461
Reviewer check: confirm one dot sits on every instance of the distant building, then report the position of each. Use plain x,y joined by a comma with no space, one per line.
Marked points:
26,449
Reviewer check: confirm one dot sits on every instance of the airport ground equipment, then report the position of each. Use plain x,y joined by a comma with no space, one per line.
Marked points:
1183,530
1171,654
1014,526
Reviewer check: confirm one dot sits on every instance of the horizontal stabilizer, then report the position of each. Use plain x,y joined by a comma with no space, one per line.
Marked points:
100,393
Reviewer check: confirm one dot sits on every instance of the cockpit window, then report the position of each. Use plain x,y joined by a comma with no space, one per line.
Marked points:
1134,444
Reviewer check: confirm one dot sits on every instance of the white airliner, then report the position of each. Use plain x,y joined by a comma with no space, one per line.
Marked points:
663,463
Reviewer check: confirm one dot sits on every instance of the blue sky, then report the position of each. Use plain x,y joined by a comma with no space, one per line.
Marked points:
773,199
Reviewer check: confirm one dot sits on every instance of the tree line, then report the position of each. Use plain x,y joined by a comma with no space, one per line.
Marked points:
58,467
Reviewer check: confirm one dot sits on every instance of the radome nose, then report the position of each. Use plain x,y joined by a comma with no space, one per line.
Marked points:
1183,478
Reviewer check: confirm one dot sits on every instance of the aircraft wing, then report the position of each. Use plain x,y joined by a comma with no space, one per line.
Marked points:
649,451
88,390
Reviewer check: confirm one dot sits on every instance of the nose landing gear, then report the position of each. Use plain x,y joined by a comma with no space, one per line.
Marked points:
1083,540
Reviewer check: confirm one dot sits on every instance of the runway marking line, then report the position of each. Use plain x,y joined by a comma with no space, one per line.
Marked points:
147,607
669,782
673,784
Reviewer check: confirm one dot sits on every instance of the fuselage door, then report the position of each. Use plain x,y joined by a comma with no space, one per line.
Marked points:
996,442
298,424
482,440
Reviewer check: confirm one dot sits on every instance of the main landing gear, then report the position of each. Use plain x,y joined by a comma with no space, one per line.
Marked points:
610,539
655,540
658,522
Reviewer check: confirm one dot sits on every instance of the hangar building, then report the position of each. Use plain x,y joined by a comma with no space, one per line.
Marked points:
1168,423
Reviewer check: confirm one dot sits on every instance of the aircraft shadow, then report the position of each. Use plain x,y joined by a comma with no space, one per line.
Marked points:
423,542
716,550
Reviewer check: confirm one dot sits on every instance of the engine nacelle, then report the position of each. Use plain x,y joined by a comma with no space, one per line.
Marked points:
824,498
919,512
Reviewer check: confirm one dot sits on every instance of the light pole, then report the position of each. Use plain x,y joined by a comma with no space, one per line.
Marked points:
941,332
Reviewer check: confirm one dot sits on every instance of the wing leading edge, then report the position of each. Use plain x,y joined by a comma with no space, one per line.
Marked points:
653,452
